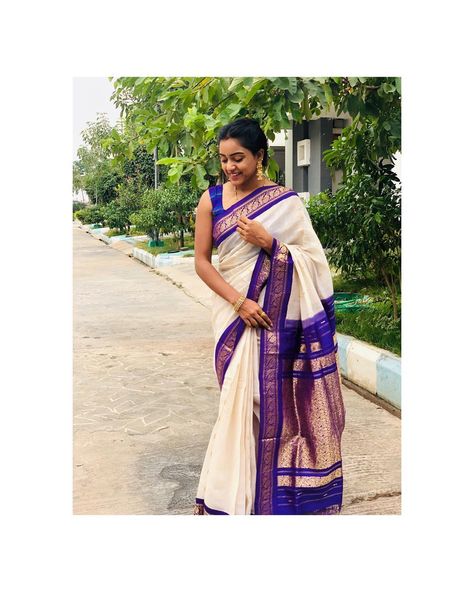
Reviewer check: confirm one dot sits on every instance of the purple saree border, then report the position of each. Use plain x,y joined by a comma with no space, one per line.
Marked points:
284,308
267,474
236,325
218,240
309,472
320,327
271,498
217,196
303,500
229,339
328,312
313,355
307,374
210,510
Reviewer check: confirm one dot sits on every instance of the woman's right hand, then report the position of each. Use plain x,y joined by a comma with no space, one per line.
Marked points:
253,315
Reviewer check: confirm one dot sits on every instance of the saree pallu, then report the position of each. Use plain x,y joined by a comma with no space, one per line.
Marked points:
276,445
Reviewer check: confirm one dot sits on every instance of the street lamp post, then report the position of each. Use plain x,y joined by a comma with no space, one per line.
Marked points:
157,172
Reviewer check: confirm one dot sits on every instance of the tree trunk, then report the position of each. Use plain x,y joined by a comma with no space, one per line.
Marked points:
393,293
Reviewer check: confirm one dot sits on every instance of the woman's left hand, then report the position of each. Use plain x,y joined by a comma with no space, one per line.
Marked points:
254,232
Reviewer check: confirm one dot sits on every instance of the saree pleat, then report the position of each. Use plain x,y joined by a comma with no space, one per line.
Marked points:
283,382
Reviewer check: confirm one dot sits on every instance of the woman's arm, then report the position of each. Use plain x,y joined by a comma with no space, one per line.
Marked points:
250,311
203,252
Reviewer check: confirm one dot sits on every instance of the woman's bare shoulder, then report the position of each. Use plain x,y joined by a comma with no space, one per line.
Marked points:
204,203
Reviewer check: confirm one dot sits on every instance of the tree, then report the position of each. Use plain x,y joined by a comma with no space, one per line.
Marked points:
129,201
78,178
181,116
140,167
94,171
177,204
90,215
149,218
116,216
103,182
360,224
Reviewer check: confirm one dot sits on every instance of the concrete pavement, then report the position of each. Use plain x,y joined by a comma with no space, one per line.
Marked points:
146,396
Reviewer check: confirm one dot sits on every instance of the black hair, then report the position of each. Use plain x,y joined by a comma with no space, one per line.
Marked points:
249,133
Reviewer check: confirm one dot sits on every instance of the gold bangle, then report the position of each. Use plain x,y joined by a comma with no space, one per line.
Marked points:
238,303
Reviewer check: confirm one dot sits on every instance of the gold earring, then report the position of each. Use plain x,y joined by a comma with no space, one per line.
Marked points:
259,170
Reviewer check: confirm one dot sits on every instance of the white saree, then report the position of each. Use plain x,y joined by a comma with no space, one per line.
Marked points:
276,445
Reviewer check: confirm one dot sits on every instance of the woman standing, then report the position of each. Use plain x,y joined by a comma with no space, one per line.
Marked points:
276,445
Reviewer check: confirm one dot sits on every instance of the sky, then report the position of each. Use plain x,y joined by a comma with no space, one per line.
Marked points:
90,97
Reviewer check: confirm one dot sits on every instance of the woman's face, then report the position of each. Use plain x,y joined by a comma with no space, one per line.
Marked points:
238,163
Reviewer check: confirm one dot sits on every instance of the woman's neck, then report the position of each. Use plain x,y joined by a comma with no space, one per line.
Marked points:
250,186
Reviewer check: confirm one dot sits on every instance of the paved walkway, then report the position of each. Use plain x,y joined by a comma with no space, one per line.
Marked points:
146,397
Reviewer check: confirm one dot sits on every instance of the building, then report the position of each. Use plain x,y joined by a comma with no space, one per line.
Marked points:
299,153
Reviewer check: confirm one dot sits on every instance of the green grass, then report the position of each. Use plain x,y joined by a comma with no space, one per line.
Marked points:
367,286
374,324
171,244
116,232
135,232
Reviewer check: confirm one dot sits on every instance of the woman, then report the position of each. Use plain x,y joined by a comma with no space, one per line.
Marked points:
276,445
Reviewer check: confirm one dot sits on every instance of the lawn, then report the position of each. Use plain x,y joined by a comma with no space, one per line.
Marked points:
375,323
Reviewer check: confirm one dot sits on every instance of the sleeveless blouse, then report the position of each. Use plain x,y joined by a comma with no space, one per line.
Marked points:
218,211
215,191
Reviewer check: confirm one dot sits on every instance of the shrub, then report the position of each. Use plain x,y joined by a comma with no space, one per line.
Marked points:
91,215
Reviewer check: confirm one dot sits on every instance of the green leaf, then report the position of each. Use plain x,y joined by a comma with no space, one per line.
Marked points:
174,173
353,106
187,143
297,96
272,168
306,109
213,166
200,173
388,88
282,83
236,82
285,122
255,88
232,110
292,85
163,145
353,81
328,95
167,160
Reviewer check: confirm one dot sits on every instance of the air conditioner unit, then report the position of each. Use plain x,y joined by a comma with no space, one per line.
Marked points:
302,152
